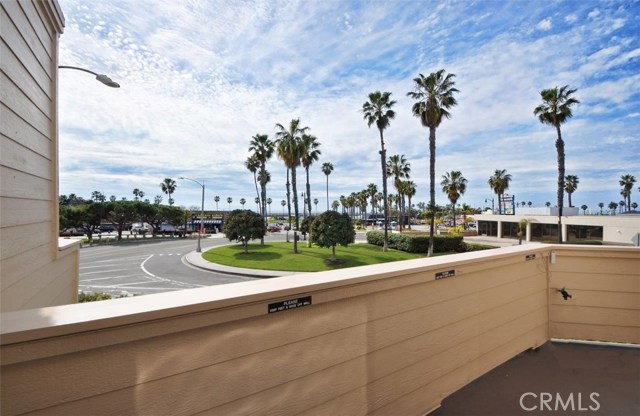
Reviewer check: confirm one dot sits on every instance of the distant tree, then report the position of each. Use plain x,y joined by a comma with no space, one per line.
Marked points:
584,209
434,96
555,110
529,204
522,229
242,202
243,226
454,186
283,203
229,201
315,202
137,194
547,204
168,186
601,205
257,201
269,201
157,199
634,205
621,206
121,213
253,164
570,186
627,181
97,196
612,208
335,205
310,153
499,183
330,229
216,199
327,168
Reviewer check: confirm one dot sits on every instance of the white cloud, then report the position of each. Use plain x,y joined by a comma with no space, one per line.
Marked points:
199,79
545,24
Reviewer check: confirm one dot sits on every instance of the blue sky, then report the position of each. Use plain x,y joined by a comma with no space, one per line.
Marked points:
200,78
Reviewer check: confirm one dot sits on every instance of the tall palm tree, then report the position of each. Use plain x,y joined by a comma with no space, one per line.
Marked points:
242,202
601,205
327,168
262,149
315,202
399,169
289,149
454,185
310,153
168,186
253,164
555,110
216,199
283,203
570,186
137,194
269,201
612,208
499,183
229,201
378,110
627,181
434,97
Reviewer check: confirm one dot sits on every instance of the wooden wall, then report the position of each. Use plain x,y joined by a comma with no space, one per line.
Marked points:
386,339
35,273
605,290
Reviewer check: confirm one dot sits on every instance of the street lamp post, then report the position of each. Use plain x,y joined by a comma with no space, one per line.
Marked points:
100,77
492,207
198,248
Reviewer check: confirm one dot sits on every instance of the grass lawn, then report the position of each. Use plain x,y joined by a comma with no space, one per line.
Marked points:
279,256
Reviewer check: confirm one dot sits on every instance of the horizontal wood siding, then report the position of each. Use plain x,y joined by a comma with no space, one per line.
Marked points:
605,290
34,272
400,341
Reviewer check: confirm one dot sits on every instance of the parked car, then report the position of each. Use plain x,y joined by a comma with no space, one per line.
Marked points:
273,228
106,228
141,228
71,232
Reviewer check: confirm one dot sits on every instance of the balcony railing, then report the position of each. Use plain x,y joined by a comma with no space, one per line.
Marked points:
395,338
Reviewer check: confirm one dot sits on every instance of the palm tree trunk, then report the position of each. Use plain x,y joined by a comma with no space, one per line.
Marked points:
295,209
432,187
453,207
263,199
308,192
327,192
288,199
383,158
560,149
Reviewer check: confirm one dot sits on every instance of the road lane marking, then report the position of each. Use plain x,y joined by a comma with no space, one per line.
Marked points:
145,270
175,282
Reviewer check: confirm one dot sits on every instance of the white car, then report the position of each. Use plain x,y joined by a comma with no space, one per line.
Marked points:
141,228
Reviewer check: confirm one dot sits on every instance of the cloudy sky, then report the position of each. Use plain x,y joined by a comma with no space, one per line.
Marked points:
199,78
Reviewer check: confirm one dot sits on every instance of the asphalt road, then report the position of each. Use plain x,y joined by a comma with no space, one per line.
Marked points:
152,266
148,267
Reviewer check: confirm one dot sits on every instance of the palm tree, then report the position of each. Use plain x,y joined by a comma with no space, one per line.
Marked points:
612,207
335,205
310,153
283,203
262,149
253,164
409,189
315,202
168,186
229,201
570,186
499,183
269,201
327,168
434,97
242,202
627,181
547,204
621,205
137,194
584,209
216,199
601,205
399,169
555,110
257,201
378,110
454,185
372,191
289,149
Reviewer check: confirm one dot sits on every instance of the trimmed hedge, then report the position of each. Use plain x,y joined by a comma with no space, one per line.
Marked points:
417,244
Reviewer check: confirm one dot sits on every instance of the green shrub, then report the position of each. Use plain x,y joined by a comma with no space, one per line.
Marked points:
92,297
477,247
417,243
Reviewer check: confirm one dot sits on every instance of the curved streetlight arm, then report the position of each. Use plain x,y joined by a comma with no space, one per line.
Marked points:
100,77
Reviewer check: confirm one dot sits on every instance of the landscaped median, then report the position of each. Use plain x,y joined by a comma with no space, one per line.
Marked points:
280,256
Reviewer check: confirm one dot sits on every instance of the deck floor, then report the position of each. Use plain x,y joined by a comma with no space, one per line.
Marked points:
601,380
